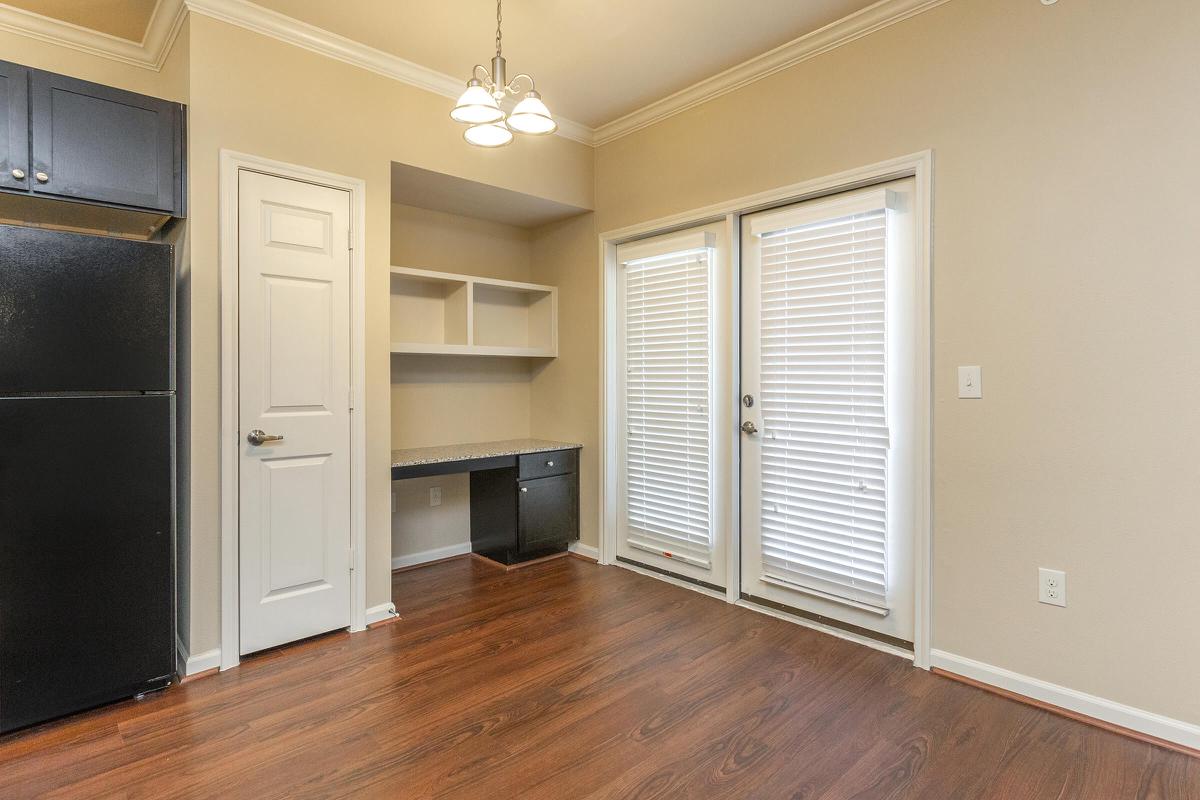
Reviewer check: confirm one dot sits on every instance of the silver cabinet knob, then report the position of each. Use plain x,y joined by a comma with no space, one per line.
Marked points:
524,490
41,177
549,463
257,437
19,174
749,427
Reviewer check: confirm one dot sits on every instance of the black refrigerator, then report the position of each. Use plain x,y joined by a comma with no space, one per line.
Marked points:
87,432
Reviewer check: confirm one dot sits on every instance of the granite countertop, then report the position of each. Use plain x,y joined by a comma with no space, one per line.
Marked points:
415,456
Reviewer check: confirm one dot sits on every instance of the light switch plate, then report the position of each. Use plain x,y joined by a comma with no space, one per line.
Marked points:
970,383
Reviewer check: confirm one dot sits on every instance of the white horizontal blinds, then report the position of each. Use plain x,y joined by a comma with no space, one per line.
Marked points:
823,382
668,388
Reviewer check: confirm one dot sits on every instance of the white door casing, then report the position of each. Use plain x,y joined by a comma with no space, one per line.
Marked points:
294,381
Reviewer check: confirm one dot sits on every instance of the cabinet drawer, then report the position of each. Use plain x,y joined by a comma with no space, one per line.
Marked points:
548,510
541,465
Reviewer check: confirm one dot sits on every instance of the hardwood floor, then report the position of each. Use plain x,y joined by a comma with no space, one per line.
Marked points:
568,681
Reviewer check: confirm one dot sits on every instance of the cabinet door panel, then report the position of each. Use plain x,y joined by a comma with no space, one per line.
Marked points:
14,126
549,513
97,143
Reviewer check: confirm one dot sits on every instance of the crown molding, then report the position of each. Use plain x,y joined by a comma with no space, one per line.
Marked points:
168,17
148,54
164,26
287,29
855,26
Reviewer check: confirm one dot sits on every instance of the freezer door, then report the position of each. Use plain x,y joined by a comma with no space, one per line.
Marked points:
84,313
86,552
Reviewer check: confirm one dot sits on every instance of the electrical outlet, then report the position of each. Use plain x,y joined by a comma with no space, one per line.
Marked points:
1052,587
435,496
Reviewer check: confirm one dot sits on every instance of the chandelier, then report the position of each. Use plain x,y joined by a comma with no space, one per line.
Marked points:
479,106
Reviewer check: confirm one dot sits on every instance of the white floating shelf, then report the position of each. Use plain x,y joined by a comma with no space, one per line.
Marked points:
443,313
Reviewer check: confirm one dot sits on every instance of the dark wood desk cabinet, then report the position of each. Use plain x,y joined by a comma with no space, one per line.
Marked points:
524,505
526,511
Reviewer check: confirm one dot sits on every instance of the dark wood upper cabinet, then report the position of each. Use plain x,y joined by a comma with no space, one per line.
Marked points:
14,126
70,139
102,144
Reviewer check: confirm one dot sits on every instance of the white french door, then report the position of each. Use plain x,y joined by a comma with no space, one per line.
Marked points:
673,344
829,376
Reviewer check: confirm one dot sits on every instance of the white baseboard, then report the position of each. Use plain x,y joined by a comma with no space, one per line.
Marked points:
585,550
380,613
1135,719
187,664
424,557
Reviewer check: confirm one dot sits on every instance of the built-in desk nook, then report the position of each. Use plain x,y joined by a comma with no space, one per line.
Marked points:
524,493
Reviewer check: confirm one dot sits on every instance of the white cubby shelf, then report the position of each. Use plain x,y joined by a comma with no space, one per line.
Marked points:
443,313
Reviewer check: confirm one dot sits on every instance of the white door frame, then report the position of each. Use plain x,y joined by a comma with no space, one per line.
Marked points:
918,166
231,163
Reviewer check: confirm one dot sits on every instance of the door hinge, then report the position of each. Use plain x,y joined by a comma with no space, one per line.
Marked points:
352,558
349,239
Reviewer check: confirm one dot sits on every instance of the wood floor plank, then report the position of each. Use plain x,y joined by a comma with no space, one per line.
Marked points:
569,680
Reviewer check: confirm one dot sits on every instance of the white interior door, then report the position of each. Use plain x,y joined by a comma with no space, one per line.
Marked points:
294,384
829,344
674,344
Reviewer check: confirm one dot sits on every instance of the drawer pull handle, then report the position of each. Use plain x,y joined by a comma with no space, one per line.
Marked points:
549,463
524,489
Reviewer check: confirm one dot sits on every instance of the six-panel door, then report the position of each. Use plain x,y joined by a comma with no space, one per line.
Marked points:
294,383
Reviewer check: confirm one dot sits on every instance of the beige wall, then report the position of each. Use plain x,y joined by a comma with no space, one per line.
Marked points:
451,399
260,96
170,83
1065,234
566,390
1065,241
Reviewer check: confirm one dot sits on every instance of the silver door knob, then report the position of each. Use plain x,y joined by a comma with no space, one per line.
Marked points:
41,177
257,437
19,174
749,427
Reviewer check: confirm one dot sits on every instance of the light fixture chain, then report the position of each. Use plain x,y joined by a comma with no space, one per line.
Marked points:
499,18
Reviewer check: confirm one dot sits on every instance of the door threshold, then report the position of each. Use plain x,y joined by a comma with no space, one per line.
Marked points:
830,622
710,586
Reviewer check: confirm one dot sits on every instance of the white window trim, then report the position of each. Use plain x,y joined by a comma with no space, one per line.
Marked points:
230,163
918,166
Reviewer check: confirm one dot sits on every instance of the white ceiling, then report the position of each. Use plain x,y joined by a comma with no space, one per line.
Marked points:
605,67
594,60
125,19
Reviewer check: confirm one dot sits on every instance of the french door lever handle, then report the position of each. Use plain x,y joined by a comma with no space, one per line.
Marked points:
749,427
257,437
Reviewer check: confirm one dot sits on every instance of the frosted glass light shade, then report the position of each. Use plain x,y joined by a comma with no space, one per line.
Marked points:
476,106
495,134
532,116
